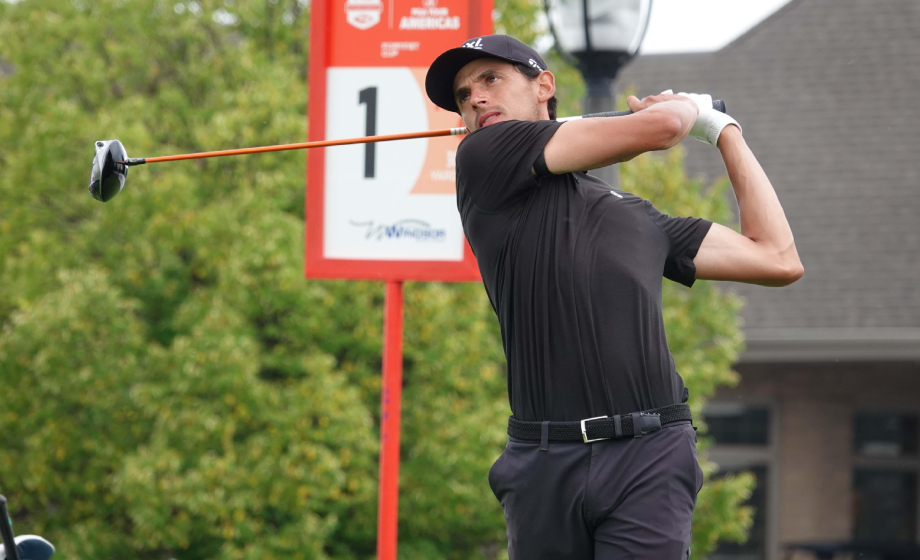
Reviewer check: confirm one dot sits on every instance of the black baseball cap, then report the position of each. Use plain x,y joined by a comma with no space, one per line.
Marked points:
439,83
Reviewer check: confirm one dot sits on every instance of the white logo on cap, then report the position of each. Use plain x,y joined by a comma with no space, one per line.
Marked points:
477,44
534,64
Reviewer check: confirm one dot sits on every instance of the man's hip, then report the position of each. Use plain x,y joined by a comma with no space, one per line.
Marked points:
630,497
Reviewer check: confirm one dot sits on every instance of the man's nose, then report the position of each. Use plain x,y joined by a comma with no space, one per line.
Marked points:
478,96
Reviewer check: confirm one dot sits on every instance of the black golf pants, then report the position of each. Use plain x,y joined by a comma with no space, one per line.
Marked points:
607,500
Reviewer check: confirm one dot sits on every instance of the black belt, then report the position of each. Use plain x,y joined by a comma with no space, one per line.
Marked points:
635,424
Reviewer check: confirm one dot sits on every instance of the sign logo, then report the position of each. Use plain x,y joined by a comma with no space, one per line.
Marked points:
535,64
409,229
477,44
428,17
363,14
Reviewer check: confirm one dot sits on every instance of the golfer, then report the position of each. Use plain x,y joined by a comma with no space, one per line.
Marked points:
601,458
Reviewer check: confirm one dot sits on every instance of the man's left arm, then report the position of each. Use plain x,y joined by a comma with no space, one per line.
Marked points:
764,252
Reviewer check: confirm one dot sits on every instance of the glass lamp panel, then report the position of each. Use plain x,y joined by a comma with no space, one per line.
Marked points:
567,18
617,25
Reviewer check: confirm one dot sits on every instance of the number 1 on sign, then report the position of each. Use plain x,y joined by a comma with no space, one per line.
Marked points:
368,96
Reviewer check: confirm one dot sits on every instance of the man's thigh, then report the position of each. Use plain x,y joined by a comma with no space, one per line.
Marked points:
642,494
542,494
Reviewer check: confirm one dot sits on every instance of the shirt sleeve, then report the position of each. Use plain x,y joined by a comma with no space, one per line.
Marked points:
685,235
494,163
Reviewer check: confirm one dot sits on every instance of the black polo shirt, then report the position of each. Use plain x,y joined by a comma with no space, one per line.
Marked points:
573,269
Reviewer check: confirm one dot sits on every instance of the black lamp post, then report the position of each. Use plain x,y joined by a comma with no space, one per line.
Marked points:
602,36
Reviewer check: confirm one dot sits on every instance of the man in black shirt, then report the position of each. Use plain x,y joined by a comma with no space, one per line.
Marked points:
573,270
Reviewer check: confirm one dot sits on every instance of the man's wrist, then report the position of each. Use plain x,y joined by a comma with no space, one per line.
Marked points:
730,134
710,124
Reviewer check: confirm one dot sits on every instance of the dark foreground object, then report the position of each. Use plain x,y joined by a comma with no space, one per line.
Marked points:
23,547
627,498
863,549
6,530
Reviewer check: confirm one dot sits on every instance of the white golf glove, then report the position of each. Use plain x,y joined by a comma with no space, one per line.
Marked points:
709,123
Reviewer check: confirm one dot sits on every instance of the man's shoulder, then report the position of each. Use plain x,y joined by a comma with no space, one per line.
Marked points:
492,139
494,164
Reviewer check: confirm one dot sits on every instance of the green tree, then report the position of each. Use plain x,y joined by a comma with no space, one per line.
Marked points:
154,404
171,385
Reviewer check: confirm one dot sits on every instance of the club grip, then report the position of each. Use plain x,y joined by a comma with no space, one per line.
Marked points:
717,104
6,530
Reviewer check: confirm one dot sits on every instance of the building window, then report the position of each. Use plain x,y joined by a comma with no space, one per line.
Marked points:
885,476
732,424
886,505
743,443
755,546
885,434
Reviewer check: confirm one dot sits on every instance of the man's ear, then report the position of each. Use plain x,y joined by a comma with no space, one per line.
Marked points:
546,86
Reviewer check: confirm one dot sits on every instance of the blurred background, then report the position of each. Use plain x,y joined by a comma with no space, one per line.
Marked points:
172,387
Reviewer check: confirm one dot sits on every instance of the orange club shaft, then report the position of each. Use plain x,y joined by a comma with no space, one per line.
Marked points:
307,145
718,105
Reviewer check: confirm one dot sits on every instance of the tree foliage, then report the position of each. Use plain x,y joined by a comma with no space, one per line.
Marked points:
171,385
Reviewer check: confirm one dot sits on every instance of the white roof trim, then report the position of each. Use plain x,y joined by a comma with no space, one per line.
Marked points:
831,344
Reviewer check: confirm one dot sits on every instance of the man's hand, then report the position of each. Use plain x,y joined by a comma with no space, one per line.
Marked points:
708,124
689,107
636,104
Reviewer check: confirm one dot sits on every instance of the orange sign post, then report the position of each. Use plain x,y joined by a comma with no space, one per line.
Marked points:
385,211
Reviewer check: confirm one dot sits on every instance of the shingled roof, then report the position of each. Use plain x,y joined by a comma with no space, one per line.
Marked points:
826,91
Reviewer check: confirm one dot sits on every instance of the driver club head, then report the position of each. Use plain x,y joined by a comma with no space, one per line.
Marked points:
108,177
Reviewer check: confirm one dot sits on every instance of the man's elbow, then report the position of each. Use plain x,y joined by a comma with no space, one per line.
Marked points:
792,273
786,273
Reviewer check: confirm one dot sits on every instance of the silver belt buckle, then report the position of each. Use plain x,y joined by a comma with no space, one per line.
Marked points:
584,431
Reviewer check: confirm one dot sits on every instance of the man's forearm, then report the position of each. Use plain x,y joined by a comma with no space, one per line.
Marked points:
762,216
583,144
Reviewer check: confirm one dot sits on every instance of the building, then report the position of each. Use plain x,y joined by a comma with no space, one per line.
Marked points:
828,407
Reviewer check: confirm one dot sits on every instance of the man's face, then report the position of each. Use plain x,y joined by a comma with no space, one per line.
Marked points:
488,91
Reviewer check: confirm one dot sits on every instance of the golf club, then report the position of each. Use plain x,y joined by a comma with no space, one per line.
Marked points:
6,530
110,165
